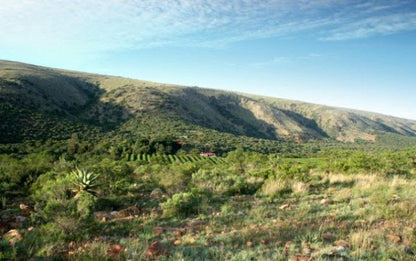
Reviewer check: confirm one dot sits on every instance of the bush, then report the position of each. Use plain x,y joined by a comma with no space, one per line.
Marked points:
292,172
52,193
85,206
222,184
57,207
173,181
182,204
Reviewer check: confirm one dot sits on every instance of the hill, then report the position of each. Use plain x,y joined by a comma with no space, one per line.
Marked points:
41,103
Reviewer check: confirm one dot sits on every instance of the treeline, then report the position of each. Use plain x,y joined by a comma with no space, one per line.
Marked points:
18,171
389,162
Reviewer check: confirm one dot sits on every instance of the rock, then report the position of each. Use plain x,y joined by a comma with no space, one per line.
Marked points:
156,249
338,249
332,189
300,258
328,236
24,207
325,201
284,207
179,232
160,230
157,231
102,216
25,210
394,238
130,211
12,237
342,243
114,251
195,223
20,219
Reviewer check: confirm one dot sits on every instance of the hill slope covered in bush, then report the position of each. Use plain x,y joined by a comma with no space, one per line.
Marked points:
40,103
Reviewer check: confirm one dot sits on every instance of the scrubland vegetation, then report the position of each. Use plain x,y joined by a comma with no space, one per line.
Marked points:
334,204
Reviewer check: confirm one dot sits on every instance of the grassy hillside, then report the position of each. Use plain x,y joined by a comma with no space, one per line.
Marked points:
38,102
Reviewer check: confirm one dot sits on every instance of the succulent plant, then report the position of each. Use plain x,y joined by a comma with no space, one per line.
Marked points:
85,181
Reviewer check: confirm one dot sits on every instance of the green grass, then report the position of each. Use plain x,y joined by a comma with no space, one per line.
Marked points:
199,210
247,227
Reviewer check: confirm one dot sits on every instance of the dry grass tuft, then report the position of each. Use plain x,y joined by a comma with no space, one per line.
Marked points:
272,187
365,239
299,187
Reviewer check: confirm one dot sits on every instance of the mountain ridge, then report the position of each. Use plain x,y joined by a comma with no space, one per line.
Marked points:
254,95
107,102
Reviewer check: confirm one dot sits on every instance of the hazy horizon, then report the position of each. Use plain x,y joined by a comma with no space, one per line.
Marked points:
352,54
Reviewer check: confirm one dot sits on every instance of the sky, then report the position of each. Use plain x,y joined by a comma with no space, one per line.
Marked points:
344,53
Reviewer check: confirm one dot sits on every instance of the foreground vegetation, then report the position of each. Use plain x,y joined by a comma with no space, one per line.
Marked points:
335,204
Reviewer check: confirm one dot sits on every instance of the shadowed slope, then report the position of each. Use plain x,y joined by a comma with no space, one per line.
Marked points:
41,102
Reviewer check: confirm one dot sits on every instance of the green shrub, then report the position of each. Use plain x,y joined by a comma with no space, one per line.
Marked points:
172,181
182,204
56,207
85,205
173,178
6,251
221,183
52,192
292,172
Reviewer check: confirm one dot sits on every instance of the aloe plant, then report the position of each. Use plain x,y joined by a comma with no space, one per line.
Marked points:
85,181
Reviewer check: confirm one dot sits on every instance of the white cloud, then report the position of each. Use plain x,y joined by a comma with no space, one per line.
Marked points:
383,25
87,25
288,60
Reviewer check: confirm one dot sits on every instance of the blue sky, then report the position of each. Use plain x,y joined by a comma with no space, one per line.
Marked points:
346,53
